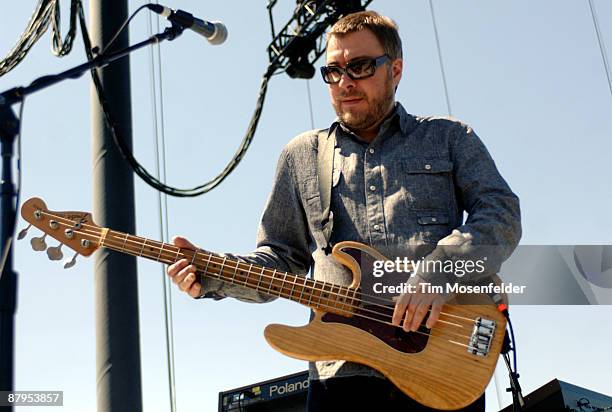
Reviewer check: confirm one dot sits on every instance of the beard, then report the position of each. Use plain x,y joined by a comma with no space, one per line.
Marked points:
362,119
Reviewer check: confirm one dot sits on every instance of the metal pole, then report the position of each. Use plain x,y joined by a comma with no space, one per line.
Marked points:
8,279
118,374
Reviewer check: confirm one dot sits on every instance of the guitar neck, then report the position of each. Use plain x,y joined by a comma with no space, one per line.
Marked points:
312,293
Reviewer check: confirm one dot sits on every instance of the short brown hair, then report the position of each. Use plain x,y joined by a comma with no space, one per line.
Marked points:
385,30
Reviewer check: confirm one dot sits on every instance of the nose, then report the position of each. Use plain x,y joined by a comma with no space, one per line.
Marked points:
346,82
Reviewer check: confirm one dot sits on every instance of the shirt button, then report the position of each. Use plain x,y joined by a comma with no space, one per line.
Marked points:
376,227
427,167
433,219
372,188
371,151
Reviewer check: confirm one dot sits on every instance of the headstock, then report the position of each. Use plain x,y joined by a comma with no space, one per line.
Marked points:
73,229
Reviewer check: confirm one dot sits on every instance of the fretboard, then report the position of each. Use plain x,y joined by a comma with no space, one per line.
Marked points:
312,293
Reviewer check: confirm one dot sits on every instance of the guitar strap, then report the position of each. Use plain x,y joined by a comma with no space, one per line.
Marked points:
325,168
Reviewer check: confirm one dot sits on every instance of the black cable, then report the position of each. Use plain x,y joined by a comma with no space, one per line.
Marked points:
513,345
63,47
46,12
137,167
36,27
510,345
123,26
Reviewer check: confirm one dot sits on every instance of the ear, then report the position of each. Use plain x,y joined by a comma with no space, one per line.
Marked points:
396,70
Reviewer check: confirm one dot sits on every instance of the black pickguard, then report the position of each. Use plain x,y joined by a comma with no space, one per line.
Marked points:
397,338
372,319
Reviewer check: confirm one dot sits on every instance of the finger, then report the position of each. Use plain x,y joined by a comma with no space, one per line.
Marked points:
186,283
419,315
436,308
176,267
195,290
400,308
183,242
183,274
410,311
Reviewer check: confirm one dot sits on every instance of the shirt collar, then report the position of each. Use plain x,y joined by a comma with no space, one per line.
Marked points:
407,121
399,117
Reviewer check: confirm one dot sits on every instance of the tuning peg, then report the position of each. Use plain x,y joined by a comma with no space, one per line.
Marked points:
23,232
55,252
38,243
70,263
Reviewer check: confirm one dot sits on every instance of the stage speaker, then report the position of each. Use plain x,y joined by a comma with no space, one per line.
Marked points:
559,396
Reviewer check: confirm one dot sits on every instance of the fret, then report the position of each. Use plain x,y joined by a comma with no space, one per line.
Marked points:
124,241
337,296
270,287
348,299
207,263
353,299
178,253
302,291
310,293
235,273
195,253
330,296
260,277
161,249
221,268
103,237
321,293
142,248
246,279
292,287
345,299
283,283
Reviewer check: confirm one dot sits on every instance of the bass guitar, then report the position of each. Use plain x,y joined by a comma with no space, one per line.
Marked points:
447,367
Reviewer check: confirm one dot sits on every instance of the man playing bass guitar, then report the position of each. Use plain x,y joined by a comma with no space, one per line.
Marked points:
398,182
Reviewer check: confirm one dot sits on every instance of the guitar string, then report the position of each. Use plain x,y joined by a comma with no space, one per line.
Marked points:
342,311
384,302
97,232
100,239
236,268
226,270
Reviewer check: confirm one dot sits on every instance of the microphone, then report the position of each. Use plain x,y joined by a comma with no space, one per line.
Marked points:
215,32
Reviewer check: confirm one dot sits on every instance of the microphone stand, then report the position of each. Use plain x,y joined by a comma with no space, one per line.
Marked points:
518,402
9,129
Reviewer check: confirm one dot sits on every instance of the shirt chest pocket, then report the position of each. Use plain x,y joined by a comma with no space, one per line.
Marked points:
427,183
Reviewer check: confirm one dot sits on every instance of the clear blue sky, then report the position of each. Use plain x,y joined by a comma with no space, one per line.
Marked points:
528,76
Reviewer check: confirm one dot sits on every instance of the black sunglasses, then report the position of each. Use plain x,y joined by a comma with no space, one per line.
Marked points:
355,70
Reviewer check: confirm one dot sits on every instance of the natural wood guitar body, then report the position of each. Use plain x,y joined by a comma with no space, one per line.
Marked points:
442,375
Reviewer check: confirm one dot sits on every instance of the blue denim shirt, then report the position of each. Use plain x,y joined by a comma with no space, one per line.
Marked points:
404,191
